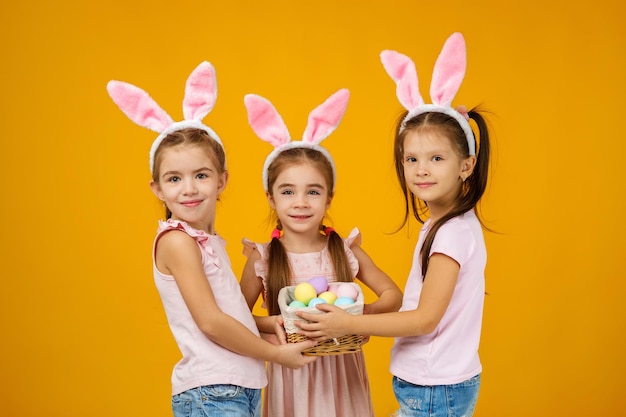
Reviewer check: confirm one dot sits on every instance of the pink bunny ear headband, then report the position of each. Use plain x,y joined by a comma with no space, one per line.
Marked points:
269,126
447,77
200,95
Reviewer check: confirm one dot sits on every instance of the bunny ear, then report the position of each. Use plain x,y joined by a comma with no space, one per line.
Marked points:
401,69
449,71
200,92
139,106
325,118
265,120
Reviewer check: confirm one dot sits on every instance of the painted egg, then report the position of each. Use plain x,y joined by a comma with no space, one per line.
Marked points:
333,287
296,303
319,283
344,301
328,296
347,290
315,301
304,292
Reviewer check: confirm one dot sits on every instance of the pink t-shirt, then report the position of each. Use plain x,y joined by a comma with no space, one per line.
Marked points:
205,362
448,355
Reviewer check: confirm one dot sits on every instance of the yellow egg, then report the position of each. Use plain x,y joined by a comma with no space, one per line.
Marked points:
328,296
305,292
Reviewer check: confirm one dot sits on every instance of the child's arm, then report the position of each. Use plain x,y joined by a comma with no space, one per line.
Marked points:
178,254
252,287
389,295
436,293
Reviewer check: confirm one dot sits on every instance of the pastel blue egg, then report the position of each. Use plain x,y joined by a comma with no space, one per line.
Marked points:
316,301
344,301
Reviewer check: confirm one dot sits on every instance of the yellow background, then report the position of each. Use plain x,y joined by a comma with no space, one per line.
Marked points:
82,327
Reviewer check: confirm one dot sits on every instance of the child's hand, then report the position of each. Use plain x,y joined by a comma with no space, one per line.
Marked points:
279,337
333,323
290,354
279,329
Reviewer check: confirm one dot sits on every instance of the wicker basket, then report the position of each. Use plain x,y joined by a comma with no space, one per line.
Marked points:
337,346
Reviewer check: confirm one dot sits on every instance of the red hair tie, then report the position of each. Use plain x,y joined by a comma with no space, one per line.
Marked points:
463,112
328,230
276,233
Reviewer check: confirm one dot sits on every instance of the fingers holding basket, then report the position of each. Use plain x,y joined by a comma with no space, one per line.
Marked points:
292,355
279,329
335,322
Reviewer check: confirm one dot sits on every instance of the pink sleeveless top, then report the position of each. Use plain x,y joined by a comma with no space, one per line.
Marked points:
204,362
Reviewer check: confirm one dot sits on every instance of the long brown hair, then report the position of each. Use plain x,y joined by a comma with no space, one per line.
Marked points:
279,270
473,187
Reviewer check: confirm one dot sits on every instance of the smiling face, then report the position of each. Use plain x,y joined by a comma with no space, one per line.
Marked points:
434,170
300,196
189,184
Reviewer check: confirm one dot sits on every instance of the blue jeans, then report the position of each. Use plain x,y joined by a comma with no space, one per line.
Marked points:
221,400
457,400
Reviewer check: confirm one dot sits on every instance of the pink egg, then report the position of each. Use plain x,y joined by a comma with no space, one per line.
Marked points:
347,290
319,283
333,287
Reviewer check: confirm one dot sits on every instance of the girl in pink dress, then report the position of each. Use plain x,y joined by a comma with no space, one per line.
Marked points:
299,179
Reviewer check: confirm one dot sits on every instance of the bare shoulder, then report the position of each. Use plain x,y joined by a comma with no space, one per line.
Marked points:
175,247
172,239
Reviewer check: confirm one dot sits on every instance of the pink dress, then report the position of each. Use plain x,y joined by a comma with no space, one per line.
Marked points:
332,386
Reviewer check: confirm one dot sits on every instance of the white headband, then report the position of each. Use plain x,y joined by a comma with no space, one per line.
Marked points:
447,77
199,99
269,126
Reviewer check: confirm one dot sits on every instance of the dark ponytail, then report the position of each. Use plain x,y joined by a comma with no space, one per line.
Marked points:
337,251
278,273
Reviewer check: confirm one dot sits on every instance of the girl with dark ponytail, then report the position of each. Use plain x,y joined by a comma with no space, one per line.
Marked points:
442,168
